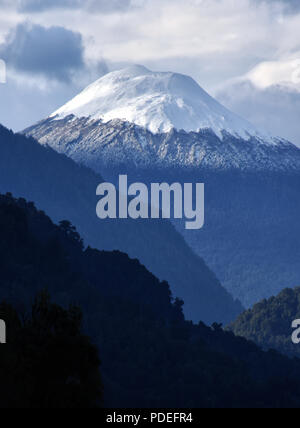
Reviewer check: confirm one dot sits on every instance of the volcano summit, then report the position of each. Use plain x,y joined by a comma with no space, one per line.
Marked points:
142,118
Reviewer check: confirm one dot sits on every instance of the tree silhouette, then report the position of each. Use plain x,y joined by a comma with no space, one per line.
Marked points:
70,230
48,362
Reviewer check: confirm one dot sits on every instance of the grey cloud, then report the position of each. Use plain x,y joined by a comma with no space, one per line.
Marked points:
41,5
54,52
294,4
290,6
107,6
7,3
104,6
275,109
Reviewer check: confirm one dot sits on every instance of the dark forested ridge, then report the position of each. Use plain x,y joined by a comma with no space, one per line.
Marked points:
151,356
269,323
66,190
48,362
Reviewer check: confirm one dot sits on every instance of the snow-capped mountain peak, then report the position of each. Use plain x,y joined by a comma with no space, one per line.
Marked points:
157,102
136,117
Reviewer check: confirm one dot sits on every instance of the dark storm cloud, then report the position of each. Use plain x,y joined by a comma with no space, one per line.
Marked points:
104,6
54,52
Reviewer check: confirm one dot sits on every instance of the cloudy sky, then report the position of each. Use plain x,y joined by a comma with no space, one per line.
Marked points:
244,52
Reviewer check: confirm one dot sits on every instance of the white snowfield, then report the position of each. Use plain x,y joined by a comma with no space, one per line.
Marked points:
158,102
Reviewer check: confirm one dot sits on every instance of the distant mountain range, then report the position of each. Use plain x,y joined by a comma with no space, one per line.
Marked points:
164,127
68,191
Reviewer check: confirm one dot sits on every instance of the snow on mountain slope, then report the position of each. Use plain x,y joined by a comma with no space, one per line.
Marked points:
158,102
140,118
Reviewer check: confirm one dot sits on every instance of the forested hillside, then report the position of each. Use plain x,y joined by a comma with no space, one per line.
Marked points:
150,355
47,362
269,323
